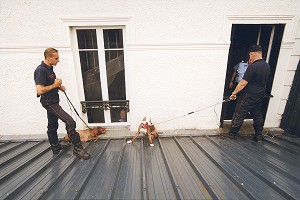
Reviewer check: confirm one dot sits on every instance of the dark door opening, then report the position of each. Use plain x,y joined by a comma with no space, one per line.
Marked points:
269,36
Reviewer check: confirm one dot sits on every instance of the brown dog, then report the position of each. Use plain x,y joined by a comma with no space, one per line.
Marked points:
148,129
88,134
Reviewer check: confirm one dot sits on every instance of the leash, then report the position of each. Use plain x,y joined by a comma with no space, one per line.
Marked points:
224,101
227,99
76,111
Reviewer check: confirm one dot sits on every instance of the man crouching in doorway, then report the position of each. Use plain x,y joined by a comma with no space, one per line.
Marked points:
47,86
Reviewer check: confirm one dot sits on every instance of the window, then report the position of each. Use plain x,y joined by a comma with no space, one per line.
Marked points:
101,55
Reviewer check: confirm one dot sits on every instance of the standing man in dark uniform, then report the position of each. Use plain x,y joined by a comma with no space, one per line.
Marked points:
47,86
253,87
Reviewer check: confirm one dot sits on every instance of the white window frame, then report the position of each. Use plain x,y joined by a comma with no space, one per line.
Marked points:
102,69
70,25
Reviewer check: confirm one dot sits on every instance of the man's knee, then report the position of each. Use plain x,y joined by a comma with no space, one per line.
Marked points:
258,118
258,124
70,124
237,121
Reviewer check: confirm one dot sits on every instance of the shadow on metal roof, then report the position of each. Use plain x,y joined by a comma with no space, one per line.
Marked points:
189,167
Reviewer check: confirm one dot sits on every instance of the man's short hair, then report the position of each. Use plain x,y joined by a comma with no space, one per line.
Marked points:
255,48
49,52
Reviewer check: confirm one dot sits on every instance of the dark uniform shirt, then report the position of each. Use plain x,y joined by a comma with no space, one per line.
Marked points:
257,75
44,75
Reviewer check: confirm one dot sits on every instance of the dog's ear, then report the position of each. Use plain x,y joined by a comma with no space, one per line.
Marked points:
95,131
100,130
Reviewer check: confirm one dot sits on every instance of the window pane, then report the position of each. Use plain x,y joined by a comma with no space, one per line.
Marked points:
92,90
92,85
95,116
88,60
90,75
113,38
118,115
115,75
87,39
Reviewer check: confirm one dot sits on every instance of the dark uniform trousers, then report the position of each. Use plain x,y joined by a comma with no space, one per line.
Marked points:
252,103
55,112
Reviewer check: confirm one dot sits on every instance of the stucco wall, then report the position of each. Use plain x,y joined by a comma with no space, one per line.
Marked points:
181,45
179,81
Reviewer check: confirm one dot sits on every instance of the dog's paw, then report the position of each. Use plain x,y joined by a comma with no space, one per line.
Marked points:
129,142
151,145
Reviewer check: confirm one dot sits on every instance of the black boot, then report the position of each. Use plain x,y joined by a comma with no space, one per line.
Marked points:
80,152
231,135
55,148
64,145
258,136
59,146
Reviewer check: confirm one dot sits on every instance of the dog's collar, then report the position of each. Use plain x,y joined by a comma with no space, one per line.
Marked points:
145,125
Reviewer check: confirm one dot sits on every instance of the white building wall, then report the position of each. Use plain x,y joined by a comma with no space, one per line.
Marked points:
181,45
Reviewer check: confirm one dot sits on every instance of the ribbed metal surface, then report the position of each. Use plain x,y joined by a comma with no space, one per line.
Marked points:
186,167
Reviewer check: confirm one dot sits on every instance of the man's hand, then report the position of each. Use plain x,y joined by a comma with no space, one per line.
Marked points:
232,96
230,84
242,84
62,88
57,82
41,89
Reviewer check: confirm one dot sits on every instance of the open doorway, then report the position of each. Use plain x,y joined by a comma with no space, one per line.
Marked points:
269,36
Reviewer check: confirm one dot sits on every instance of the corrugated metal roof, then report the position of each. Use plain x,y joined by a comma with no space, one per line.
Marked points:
187,167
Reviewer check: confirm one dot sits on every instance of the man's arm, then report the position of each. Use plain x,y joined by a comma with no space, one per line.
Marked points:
41,89
232,79
242,84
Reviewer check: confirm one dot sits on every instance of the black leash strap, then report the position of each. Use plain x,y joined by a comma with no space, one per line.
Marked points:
76,111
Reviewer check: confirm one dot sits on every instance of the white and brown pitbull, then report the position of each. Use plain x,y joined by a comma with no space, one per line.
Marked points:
148,129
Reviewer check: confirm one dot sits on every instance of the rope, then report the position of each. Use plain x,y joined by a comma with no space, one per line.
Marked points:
171,119
76,111
224,101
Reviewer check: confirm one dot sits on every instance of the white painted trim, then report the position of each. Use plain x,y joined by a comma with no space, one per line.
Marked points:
74,21
287,45
271,18
130,47
68,22
259,19
32,49
178,46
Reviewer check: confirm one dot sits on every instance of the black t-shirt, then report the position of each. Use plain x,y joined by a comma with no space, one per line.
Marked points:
257,75
44,75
